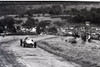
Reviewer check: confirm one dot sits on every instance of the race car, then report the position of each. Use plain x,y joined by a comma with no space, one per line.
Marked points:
27,42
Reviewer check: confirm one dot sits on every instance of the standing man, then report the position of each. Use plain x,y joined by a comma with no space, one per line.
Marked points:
88,32
86,35
83,36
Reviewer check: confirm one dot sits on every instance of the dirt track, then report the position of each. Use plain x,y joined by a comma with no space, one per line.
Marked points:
13,55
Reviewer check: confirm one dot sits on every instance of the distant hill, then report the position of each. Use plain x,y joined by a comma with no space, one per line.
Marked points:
18,7
46,2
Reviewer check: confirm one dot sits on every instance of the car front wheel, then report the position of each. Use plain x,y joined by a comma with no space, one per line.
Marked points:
35,44
21,42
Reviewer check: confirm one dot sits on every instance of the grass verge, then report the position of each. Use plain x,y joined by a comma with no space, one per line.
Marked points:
87,55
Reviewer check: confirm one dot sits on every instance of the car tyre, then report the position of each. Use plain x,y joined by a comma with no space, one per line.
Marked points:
24,45
21,42
35,44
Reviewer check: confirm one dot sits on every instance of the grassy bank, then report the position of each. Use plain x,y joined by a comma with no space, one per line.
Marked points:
87,55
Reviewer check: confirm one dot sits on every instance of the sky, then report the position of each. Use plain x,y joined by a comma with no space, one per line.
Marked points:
53,0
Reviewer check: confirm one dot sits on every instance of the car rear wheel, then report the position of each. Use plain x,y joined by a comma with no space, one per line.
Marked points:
35,44
24,45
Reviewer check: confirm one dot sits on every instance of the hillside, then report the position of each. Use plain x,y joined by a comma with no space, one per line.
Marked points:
18,7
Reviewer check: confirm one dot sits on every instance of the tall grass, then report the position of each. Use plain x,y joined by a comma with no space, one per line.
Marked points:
85,54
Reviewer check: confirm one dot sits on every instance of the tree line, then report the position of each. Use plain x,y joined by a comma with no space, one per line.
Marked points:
92,15
82,15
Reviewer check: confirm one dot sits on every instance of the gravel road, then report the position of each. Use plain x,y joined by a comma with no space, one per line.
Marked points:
13,55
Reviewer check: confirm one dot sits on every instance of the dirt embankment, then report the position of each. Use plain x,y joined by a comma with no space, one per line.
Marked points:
87,54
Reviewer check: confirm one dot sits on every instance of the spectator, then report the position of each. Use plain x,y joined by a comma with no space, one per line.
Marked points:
83,36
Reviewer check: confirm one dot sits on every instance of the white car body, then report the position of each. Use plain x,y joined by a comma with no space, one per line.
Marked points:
27,42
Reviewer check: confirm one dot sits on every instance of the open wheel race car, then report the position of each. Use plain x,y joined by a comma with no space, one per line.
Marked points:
27,42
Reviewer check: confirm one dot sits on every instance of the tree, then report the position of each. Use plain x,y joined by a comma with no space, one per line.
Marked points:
1,30
67,12
29,23
42,26
9,22
55,10
29,12
2,25
59,23
52,30
52,12
21,15
74,11
92,15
